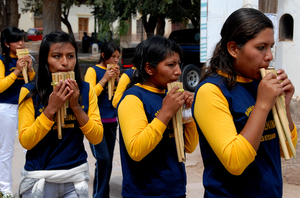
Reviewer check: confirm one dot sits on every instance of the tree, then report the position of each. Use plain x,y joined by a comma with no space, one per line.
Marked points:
9,14
154,13
36,7
51,15
66,6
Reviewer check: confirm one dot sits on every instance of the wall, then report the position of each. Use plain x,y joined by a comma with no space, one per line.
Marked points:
26,20
287,56
216,16
291,168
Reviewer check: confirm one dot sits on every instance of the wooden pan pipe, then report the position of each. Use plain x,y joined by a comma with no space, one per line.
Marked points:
178,126
20,54
61,114
111,82
281,122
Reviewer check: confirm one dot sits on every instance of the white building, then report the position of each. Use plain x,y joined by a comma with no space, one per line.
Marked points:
80,18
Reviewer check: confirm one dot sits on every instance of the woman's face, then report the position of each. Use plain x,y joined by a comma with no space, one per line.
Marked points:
167,71
13,46
254,55
114,59
61,57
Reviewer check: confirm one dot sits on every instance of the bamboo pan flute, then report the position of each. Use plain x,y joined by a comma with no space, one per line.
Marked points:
20,54
178,126
62,113
281,121
111,82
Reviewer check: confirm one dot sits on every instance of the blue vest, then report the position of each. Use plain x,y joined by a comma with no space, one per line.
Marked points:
52,153
262,178
11,95
129,72
159,174
105,106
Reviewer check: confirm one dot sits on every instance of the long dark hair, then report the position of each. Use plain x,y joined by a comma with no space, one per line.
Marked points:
108,48
9,35
241,26
153,51
43,77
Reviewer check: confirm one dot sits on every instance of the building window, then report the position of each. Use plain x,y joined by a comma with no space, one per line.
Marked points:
286,28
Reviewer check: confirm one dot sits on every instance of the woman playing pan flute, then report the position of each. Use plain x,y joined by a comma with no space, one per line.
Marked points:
147,145
57,167
238,137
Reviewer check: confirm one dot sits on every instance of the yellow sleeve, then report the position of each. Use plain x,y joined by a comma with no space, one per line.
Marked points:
211,111
31,74
6,82
191,136
31,130
124,81
294,136
90,77
140,137
93,130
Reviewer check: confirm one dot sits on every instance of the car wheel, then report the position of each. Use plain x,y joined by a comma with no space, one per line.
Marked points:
191,77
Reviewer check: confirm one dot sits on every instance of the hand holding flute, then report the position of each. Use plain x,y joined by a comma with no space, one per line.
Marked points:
281,108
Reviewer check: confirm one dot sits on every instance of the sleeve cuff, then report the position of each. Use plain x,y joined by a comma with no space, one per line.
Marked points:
87,127
159,125
46,122
13,75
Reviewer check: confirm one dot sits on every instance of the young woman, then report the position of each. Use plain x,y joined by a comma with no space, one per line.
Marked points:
57,167
98,76
238,138
147,145
11,81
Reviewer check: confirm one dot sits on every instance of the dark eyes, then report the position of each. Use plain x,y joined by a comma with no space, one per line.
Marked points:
174,64
263,47
58,56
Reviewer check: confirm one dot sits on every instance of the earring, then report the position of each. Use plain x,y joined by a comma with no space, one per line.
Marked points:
7,46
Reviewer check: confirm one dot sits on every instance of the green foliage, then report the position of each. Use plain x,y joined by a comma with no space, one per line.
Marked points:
5,195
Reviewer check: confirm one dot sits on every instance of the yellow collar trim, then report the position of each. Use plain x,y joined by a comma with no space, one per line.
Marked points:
238,78
152,89
102,67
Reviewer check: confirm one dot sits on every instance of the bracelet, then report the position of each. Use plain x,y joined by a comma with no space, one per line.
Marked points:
101,83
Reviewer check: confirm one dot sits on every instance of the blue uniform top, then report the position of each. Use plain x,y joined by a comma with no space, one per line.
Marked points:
159,174
105,106
52,153
262,178
11,95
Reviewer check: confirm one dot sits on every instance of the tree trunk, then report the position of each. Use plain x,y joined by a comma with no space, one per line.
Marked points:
150,25
160,27
51,16
3,20
9,15
13,13
67,23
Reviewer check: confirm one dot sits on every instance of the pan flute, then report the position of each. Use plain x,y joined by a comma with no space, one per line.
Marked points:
111,82
178,126
61,114
20,54
281,122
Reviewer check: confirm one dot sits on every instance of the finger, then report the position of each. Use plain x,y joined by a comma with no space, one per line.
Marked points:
174,90
59,87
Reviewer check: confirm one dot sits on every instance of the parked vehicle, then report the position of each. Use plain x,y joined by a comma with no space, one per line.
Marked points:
35,34
189,40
